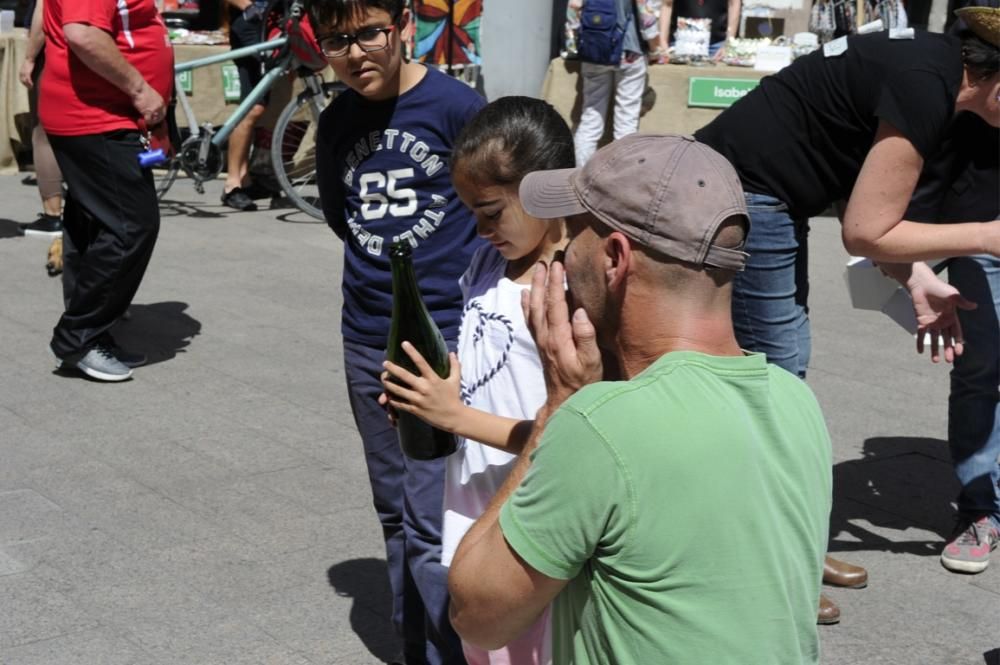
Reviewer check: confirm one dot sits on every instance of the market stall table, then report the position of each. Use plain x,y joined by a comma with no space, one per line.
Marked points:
14,124
670,112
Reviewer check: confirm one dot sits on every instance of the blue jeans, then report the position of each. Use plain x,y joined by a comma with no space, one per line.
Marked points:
770,297
408,496
974,404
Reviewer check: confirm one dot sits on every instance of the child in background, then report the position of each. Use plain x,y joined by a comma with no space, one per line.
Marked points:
496,383
383,150
625,78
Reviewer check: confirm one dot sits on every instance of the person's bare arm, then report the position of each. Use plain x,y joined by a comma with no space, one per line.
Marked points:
733,18
98,51
36,41
874,226
666,10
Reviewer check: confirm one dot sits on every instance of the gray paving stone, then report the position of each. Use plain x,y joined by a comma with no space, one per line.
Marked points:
247,453
9,564
204,634
82,648
317,488
37,611
328,627
27,515
60,559
101,497
249,510
225,568
163,466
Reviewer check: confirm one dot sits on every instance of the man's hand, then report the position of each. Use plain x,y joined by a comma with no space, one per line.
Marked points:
568,349
150,104
936,304
25,72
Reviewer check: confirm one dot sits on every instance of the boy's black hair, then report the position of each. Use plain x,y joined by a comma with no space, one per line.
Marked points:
329,14
511,137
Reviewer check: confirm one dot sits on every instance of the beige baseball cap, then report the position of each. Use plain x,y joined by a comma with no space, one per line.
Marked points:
983,21
667,192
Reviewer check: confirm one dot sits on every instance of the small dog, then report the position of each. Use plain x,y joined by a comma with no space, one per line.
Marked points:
54,264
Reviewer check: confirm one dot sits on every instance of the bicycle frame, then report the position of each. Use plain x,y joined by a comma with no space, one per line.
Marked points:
201,155
255,95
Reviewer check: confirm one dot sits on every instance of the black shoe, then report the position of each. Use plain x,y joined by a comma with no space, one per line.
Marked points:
258,190
45,225
237,198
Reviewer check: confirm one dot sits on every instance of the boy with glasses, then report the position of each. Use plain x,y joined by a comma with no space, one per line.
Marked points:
382,153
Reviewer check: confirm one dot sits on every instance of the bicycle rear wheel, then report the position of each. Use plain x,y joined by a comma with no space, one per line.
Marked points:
293,147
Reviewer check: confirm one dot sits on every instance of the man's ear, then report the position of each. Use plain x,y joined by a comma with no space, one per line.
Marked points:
618,258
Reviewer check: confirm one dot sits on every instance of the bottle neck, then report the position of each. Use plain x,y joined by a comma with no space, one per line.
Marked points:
406,297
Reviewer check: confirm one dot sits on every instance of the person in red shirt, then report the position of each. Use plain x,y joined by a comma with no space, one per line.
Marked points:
109,68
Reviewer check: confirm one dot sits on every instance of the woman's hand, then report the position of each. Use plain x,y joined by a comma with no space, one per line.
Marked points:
936,304
434,400
25,72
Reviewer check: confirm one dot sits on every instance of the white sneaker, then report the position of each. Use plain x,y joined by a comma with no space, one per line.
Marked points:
100,363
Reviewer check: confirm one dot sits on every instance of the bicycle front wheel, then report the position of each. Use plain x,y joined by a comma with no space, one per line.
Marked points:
164,176
165,173
293,147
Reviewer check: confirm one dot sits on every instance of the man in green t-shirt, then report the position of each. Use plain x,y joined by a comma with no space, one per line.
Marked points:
678,515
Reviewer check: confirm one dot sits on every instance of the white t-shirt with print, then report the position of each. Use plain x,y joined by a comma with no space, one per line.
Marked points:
501,374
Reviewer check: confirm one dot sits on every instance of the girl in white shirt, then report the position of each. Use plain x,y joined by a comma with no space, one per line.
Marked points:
495,385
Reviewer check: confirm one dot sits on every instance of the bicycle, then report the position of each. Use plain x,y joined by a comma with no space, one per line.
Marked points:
289,47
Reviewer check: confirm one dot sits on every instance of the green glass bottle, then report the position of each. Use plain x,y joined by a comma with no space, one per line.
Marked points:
411,322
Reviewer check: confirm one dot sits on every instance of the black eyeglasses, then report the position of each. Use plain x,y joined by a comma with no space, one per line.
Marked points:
369,40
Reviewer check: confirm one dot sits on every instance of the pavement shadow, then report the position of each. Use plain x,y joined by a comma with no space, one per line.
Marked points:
10,229
899,483
160,330
367,582
296,216
171,208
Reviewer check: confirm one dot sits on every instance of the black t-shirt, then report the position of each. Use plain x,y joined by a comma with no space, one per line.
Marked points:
803,134
717,10
961,183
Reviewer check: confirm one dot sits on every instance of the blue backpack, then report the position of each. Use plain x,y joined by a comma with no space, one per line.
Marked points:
601,38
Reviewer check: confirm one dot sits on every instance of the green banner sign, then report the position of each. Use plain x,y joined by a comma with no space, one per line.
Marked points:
230,83
186,81
718,93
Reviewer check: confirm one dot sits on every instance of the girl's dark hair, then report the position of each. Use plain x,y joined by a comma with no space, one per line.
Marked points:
512,137
981,58
331,14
